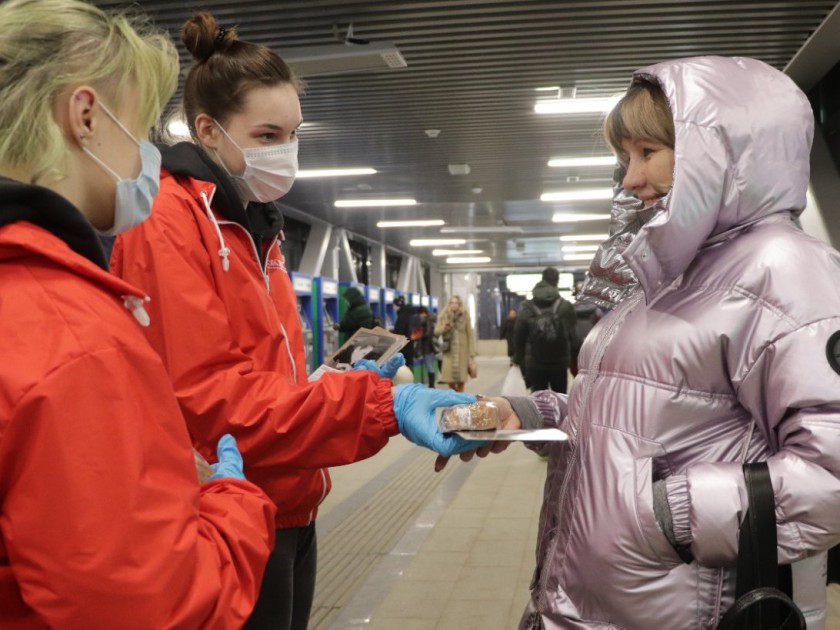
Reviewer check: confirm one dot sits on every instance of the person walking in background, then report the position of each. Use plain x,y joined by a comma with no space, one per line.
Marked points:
427,344
506,332
404,325
455,329
358,314
542,341
103,523
224,316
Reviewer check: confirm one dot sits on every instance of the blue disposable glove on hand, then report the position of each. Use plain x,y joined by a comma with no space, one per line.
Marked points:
388,370
230,460
414,407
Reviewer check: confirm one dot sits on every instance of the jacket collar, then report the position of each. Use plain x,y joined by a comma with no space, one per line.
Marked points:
264,221
25,205
51,211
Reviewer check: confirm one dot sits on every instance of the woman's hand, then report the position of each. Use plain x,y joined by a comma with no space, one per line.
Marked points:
507,419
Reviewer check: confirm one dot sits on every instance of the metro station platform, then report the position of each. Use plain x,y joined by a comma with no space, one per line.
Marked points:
404,548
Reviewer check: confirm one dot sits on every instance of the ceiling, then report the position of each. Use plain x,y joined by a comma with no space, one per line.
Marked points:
473,69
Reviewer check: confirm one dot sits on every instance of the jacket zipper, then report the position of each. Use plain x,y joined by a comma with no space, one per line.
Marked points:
620,316
264,273
263,270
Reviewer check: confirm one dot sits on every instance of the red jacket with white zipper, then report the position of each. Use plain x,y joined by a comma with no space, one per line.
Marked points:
102,521
226,325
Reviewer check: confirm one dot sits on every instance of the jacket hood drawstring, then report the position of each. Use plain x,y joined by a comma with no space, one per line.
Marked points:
224,250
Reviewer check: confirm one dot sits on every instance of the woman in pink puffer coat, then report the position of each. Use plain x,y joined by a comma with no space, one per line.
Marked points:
721,348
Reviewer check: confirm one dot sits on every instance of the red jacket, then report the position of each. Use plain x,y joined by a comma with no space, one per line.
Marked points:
102,521
232,342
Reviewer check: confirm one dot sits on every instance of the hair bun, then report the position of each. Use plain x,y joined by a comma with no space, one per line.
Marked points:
203,37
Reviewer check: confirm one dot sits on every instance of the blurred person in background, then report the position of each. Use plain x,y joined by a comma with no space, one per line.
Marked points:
506,332
358,313
456,332
428,346
405,323
542,338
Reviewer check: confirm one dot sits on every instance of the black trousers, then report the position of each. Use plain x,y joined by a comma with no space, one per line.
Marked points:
541,379
288,586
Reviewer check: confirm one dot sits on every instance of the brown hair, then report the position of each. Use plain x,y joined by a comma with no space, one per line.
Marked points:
225,69
643,112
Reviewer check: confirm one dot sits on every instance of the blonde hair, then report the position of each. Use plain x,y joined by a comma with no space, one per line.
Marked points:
50,46
642,113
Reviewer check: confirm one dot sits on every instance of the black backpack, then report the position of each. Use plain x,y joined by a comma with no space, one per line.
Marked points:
547,335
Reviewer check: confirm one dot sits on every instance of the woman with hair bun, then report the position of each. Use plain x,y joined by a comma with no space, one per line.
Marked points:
211,259
103,523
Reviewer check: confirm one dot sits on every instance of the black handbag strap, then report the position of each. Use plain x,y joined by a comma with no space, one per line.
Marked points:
763,589
757,564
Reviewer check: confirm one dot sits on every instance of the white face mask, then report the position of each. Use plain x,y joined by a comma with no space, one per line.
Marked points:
134,197
269,171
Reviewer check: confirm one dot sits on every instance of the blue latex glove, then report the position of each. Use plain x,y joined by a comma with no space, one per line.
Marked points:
230,460
414,406
387,370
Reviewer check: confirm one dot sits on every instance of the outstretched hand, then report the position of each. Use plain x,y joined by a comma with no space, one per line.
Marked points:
414,407
507,419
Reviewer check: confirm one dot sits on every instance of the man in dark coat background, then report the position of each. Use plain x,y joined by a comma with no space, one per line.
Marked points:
543,350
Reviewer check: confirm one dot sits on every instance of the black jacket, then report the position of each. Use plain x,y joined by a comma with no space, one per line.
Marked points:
358,314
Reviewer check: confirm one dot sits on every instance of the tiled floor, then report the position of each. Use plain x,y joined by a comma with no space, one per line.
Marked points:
405,548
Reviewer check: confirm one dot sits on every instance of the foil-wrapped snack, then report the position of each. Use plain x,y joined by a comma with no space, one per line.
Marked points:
478,416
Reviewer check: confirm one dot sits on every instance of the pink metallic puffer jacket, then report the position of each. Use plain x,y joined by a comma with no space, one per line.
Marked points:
724,353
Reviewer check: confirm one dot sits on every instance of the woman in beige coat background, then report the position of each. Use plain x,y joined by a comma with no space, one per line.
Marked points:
458,347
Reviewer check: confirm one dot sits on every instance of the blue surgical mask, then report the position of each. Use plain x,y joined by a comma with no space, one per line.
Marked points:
134,197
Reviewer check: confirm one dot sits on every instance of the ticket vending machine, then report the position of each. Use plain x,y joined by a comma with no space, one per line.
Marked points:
433,301
302,285
389,315
414,300
425,300
326,337
375,299
342,304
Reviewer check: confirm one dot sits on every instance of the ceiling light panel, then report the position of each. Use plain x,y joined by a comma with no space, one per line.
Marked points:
456,252
373,203
334,172
576,105
310,61
584,237
436,242
585,194
491,229
411,223
571,162
468,260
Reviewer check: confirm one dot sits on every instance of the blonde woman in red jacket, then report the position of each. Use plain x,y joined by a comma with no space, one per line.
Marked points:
224,312
103,523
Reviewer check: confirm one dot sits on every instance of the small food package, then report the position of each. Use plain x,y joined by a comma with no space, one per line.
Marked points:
481,415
